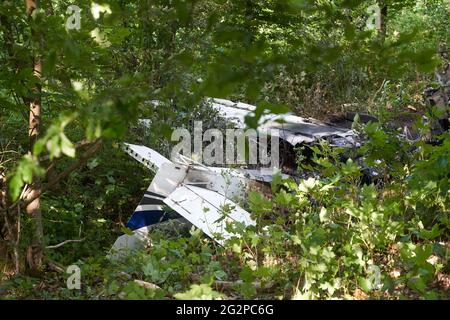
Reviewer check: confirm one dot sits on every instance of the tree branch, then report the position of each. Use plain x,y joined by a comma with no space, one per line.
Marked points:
80,162
64,242
30,197
78,145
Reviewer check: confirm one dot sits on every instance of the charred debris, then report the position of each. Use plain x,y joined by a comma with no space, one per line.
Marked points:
186,193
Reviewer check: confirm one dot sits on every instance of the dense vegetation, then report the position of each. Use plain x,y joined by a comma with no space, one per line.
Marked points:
69,96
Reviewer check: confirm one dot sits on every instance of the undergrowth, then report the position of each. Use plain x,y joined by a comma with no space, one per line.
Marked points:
334,235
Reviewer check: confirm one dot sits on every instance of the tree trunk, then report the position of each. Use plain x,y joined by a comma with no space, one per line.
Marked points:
383,19
35,250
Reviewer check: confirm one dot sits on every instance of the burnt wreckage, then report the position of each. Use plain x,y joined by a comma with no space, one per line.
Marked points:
191,193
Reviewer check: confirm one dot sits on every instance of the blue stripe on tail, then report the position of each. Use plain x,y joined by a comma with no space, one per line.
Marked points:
141,219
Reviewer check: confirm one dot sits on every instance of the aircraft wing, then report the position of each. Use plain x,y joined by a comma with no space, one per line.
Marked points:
148,157
293,129
207,210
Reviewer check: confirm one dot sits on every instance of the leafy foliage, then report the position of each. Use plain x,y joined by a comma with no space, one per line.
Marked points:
329,235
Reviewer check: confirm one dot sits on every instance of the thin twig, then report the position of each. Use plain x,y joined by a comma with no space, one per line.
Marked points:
16,246
52,265
65,242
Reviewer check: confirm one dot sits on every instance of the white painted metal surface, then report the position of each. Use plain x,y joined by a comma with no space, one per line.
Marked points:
293,129
207,210
168,177
148,157
128,243
204,195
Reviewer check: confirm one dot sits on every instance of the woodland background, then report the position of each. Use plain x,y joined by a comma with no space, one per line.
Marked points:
69,97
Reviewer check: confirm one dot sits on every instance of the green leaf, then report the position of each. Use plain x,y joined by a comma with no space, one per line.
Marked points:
27,168
365,284
127,231
277,179
199,292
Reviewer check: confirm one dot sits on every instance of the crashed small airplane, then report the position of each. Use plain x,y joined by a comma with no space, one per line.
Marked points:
208,197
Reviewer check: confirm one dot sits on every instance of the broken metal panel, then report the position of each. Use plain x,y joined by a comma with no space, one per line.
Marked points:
293,129
124,244
167,179
148,157
178,180
231,183
235,115
307,127
201,194
140,238
207,210
299,136
227,182
235,105
263,174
